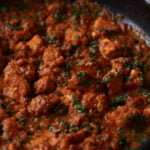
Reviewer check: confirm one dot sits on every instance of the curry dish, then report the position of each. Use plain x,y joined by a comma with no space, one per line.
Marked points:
72,77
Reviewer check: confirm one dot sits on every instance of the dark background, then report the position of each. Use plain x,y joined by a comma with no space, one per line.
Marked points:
136,10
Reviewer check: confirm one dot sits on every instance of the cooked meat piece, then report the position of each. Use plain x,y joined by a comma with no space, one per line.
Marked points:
44,84
16,88
41,105
35,44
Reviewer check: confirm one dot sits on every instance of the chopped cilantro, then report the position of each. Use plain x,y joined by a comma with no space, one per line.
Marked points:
94,43
135,41
38,61
19,140
59,132
9,112
136,63
51,39
81,75
50,128
80,63
76,13
20,119
76,129
4,148
140,65
84,83
120,100
57,92
14,27
38,13
77,36
147,94
2,104
124,43
98,73
91,60
68,67
107,78
65,83
94,55
102,29
110,32
64,123
76,29
124,142
120,130
87,14
130,116
141,77
78,105
116,37
89,127
148,101
81,57
58,16
66,75
132,106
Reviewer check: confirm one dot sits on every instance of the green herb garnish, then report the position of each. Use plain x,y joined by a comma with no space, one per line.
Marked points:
78,105
81,75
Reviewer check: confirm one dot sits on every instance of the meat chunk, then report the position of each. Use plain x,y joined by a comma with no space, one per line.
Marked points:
20,46
41,105
52,57
44,141
106,24
119,63
22,67
44,84
35,44
51,54
101,25
76,36
20,49
94,102
73,139
16,88
29,29
109,49
15,75
9,128
122,115
136,79
146,112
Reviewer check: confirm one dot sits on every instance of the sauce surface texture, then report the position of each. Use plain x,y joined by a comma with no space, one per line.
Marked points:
71,78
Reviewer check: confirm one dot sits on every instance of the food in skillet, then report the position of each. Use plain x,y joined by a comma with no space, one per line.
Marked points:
71,78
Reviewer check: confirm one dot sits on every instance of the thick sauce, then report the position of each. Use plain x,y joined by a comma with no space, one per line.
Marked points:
71,78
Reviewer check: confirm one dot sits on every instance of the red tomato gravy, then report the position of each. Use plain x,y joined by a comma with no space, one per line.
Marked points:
71,78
